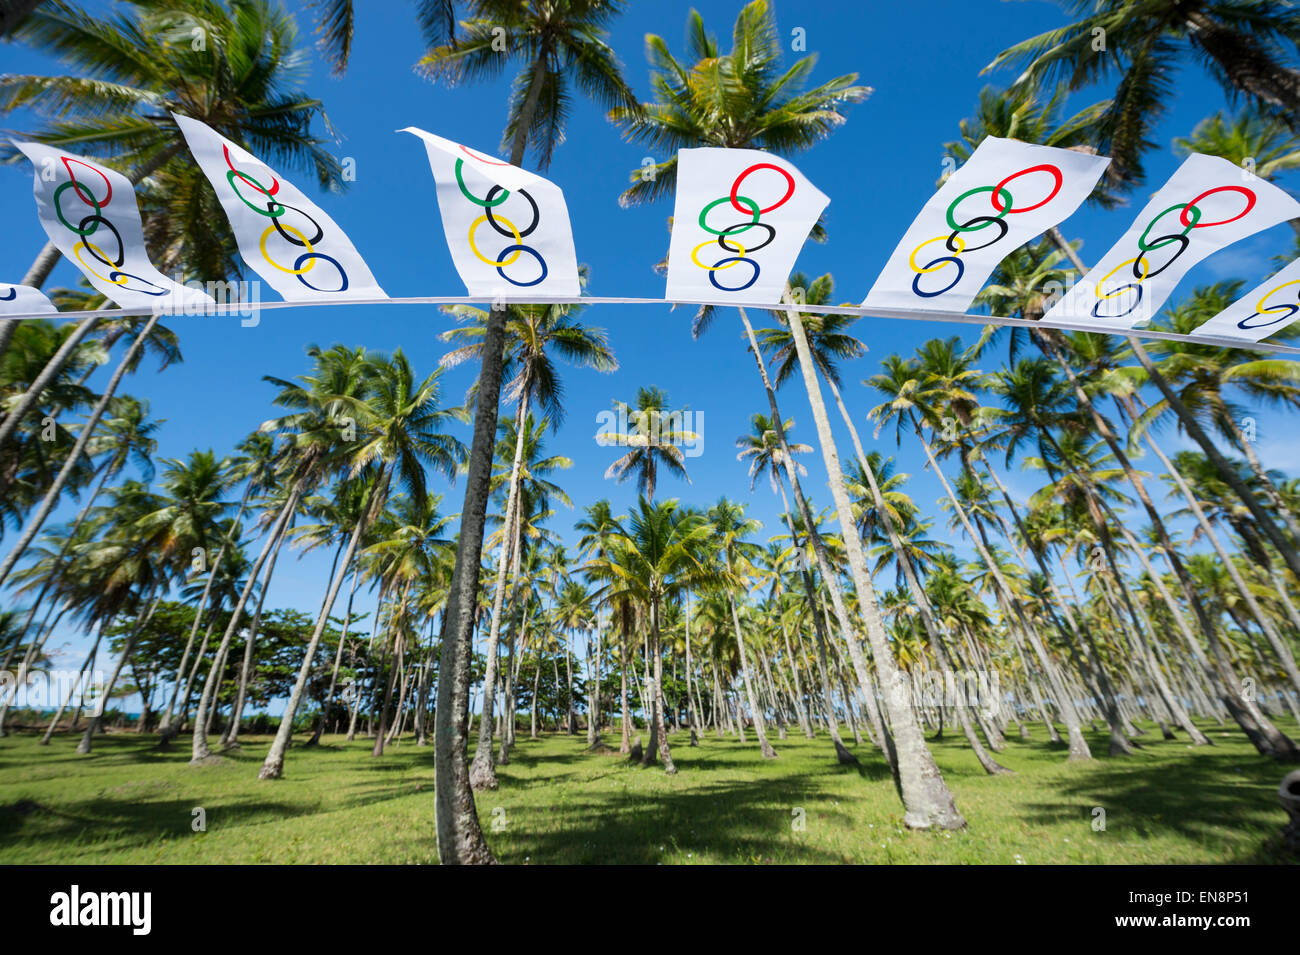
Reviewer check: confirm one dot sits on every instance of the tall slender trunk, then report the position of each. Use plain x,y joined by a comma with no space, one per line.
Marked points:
127,649
460,838
927,801
273,765
760,727
199,750
230,738
35,521
165,727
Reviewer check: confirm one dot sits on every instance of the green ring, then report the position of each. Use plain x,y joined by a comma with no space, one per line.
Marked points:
1142,240
269,213
717,202
485,203
59,211
1006,205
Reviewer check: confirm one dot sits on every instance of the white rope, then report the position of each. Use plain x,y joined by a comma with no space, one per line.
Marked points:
904,314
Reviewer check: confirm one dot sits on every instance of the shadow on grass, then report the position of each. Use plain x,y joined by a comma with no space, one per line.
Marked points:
745,820
132,822
1194,798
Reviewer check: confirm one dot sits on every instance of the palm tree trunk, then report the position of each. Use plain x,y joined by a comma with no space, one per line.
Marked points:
760,727
199,750
1226,470
164,728
128,648
338,661
273,765
83,673
927,801
35,521
460,838
47,374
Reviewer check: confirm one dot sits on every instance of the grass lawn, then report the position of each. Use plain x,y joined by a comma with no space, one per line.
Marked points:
129,803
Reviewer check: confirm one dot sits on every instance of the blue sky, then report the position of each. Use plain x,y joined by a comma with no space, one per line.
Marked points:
922,61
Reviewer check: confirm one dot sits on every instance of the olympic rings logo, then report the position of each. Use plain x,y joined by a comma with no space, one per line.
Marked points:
738,251
1189,217
502,226
10,295
1002,204
90,224
263,201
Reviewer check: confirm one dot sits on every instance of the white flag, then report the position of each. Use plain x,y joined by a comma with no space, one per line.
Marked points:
283,236
24,300
508,229
89,212
740,218
1209,203
1005,195
1262,312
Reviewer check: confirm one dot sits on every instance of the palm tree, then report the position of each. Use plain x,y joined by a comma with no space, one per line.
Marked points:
730,528
561,37
655,555
1243,45
396,417
535,335
655,437
739,99
556,43
131,69
742,99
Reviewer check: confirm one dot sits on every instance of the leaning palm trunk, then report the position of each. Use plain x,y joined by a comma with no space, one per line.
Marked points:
42,381
823,564
460,839
338,662
127,649
1226,471
230,738
990,765
199,750
273,765
760,728
165,727
51,498
482,772
82,674
927,801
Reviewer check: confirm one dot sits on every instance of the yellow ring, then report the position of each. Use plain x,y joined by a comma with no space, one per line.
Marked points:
911,260
1273,309
76,250
715,268
311,263
1097,291
484,259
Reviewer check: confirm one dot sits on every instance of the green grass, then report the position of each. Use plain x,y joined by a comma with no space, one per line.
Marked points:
129,803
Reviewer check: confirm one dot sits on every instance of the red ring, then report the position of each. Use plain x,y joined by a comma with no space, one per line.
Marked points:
257,187
76,186
1250,204
996,197
483,159
735,188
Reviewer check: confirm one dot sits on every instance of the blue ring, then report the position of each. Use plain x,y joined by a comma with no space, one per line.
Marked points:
961,270
1289,316
334,262
531,251
1137,301
113,276
713,273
